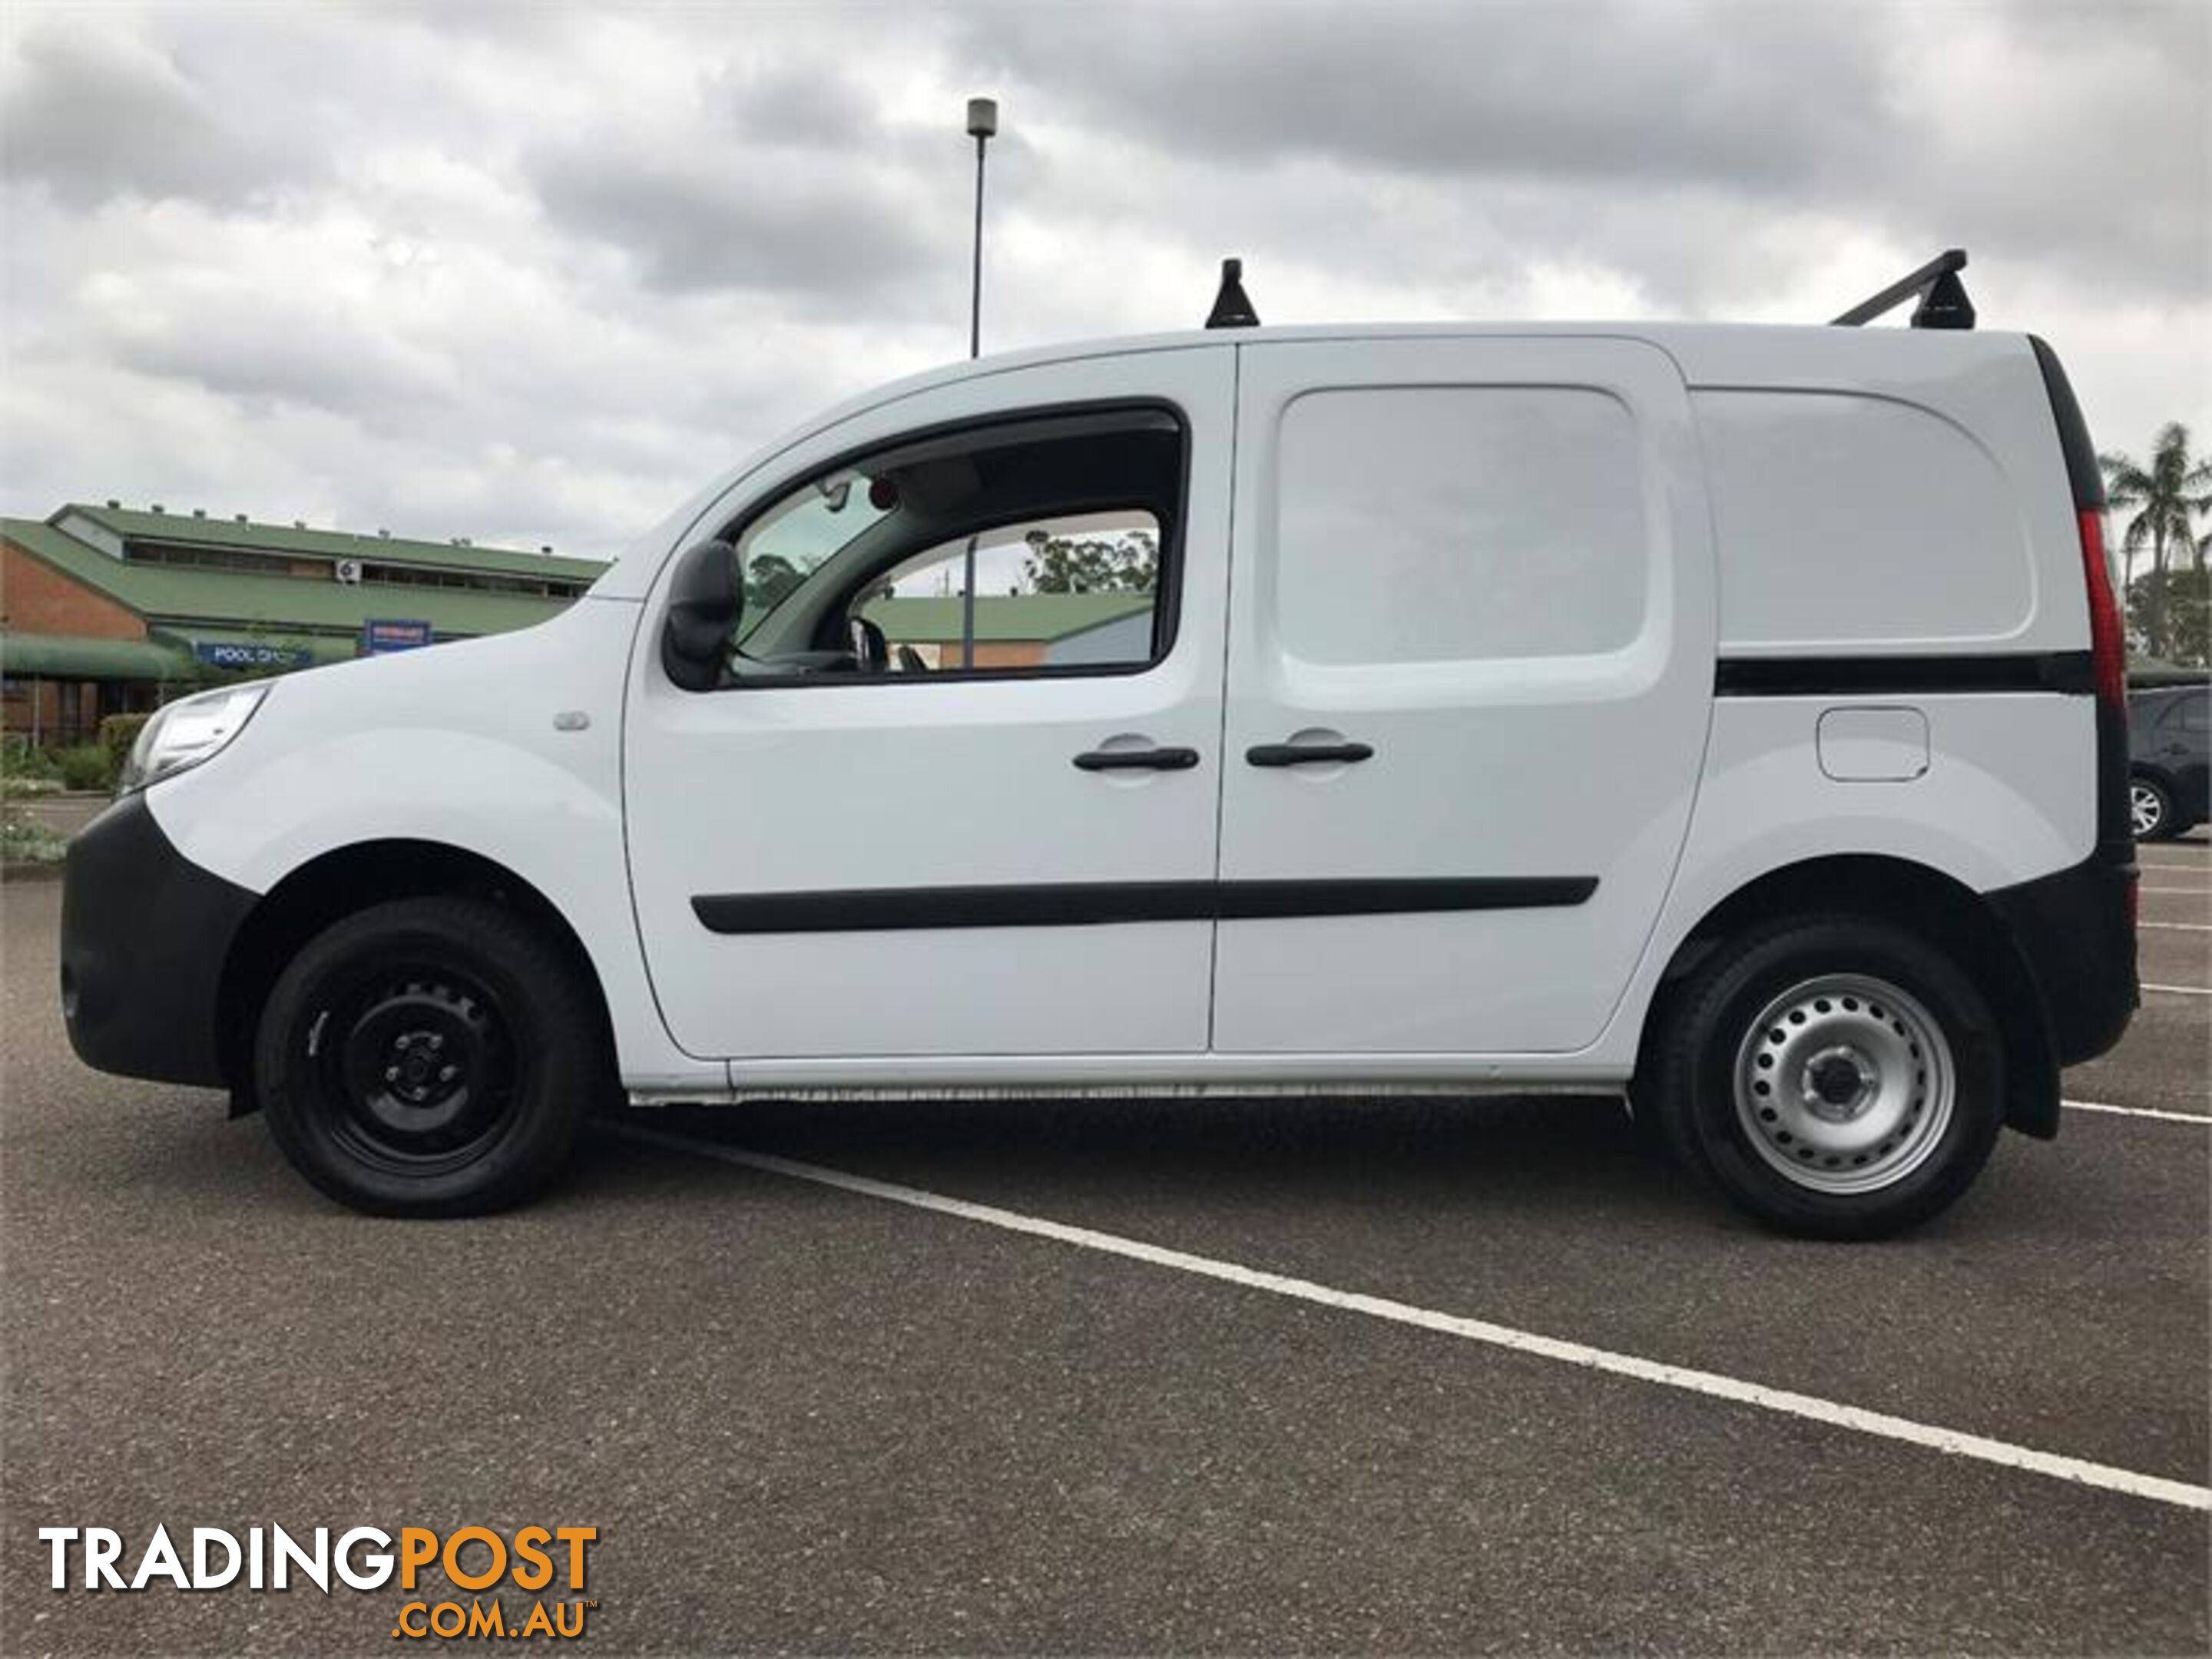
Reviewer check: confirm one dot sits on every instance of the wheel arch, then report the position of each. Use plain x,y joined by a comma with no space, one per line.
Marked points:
342,881
1936,908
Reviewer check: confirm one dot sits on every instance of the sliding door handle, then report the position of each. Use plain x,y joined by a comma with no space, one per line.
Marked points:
1306,754
1136,760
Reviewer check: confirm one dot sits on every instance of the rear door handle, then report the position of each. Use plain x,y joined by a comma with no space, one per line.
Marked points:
1306,754
1136,760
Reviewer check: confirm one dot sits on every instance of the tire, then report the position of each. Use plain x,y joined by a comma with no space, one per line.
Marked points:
430,1057
1836,1077
2150,810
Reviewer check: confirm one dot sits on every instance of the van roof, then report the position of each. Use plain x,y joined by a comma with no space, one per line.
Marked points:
1691,344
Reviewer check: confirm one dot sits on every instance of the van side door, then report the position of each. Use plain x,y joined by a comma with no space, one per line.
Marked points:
898,832
1470,675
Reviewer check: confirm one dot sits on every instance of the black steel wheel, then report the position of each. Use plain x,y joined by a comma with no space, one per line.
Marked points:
431,1056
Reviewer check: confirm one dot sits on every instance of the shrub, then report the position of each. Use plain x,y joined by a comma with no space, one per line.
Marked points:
19,760
88,766
117,732
22,841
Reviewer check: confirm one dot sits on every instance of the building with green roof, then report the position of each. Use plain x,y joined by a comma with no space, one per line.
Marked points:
108,610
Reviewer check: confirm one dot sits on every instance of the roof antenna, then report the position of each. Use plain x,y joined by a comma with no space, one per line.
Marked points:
1231,309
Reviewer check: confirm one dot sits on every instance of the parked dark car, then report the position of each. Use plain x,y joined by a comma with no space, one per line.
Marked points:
2169,733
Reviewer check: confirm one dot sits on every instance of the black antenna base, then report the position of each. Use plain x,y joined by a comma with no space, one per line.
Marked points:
1232,307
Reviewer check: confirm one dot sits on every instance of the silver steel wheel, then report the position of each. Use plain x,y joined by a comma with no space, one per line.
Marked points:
1844,1084
2145,810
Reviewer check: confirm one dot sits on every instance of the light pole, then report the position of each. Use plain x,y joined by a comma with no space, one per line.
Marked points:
982,127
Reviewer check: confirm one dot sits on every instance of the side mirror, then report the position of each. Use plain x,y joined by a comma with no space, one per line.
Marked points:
706,601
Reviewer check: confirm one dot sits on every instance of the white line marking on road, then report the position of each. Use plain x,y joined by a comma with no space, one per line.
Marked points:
2137,1111
2179,926
2188,893
1712,1385
2180,990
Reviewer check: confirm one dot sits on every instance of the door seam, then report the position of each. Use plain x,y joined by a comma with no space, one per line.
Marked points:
1228,626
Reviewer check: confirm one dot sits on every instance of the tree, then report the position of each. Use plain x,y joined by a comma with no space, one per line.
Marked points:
1126,563
768,579
2183,599
2162,497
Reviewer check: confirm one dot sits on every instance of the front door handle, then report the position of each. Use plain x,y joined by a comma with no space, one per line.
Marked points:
1136,760
1306,754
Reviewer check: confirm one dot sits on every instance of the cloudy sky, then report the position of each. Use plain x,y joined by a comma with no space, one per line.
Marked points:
530,275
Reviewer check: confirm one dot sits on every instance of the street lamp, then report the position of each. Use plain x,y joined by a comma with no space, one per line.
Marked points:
982,127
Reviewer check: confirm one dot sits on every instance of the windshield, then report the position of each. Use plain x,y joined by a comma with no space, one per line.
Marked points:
798,535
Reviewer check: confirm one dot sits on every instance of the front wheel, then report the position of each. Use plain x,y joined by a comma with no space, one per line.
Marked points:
1836,1077
429,1057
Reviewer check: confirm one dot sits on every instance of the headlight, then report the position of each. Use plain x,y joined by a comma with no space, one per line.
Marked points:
188,732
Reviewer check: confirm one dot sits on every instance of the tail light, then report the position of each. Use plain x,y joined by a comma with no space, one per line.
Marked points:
2108,647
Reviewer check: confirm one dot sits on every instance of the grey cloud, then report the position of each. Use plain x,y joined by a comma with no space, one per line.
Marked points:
1757,97
92,118
256,350
1615,110
816,235
805,102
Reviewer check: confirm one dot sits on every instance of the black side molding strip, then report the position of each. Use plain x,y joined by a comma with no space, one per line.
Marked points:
2067,672
1076,904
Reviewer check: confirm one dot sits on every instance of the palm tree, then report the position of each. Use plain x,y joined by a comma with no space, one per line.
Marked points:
2163,496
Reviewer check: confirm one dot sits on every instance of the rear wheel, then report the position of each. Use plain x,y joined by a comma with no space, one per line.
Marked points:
2150,810
429,1057
1836,1077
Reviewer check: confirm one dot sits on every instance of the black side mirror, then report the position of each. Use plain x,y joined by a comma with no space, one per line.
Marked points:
706,602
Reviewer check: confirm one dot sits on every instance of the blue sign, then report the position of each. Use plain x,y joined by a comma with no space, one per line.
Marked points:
241,654
379,636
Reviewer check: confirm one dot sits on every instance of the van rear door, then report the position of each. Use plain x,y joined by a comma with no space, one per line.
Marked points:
1470,673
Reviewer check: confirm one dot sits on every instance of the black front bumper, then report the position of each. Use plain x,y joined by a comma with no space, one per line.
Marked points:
2076,930
145,932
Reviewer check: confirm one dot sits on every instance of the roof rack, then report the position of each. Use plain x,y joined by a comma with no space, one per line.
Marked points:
1942,296
1232,307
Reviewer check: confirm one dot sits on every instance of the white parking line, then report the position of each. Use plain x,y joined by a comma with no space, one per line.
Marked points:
1881,1425
2137,1111
2190,892
2179,926
2180,990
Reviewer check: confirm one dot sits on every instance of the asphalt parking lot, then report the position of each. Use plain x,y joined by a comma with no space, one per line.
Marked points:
807,1418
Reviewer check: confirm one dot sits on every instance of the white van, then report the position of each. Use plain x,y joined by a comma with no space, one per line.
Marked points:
1727,716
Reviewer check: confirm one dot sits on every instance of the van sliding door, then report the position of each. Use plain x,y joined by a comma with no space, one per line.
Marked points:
1470,671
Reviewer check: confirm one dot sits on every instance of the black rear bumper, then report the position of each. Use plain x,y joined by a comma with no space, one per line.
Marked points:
145,934
2076,930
